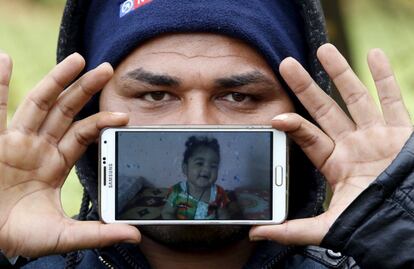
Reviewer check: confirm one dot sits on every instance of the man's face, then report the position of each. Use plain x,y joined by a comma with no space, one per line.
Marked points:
201,168
195,79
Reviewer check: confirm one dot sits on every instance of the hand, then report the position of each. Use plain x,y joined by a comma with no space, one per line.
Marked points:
350,153
38,150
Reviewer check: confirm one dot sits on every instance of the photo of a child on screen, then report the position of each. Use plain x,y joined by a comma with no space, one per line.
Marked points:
194,176
198,196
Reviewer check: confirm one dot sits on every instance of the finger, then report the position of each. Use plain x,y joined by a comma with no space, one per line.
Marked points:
71,101
308,231
360,103
5,75
314,143
321,107
93,234
393,108
34,108
85,132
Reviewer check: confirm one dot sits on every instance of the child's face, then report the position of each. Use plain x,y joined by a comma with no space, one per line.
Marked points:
202,167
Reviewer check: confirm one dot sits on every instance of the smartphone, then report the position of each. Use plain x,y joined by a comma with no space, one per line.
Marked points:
193,175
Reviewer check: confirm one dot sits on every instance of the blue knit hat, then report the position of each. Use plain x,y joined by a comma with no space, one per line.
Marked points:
114,28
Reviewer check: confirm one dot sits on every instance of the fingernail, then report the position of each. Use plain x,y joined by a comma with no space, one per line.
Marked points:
75,54
257,238
119,114
80,61
104,64
281,117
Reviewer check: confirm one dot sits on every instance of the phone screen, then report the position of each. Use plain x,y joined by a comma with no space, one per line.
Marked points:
193,175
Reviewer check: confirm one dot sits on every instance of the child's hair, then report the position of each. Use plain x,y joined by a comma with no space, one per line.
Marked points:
195,142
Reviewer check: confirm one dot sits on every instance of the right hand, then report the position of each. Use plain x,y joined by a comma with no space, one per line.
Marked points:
350,151
38,150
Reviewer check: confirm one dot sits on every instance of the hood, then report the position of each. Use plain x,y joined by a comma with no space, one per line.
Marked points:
306,187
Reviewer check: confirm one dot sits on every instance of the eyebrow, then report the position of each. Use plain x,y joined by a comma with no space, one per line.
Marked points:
152,78
233,81
243,80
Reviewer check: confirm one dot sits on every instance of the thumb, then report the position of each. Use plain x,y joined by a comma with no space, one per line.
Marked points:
94,234
309,231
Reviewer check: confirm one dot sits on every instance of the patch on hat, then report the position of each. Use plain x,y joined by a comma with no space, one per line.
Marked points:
130,5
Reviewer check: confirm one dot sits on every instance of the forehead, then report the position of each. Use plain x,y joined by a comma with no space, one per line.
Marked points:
200,50
196,44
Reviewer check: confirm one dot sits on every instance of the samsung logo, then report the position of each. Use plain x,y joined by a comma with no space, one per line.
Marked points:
110,175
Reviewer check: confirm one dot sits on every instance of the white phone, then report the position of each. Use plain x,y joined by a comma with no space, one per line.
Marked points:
193,175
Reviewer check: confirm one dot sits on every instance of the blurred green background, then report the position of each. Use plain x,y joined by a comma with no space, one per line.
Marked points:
29,29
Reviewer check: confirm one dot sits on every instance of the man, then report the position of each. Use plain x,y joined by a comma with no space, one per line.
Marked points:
212,62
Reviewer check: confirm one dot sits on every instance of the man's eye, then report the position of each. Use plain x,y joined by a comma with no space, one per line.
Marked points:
236,97
157,96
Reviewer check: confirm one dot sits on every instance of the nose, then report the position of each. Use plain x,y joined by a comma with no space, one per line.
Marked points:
198,109
205,170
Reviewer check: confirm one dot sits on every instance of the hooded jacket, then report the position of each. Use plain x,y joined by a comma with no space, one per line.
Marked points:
357,231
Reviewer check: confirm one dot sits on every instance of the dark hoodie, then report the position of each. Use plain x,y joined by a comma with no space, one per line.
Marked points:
307,186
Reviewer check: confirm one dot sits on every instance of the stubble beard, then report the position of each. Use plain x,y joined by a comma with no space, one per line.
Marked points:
196,237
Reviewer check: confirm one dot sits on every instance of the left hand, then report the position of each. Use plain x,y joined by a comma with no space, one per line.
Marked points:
349,152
